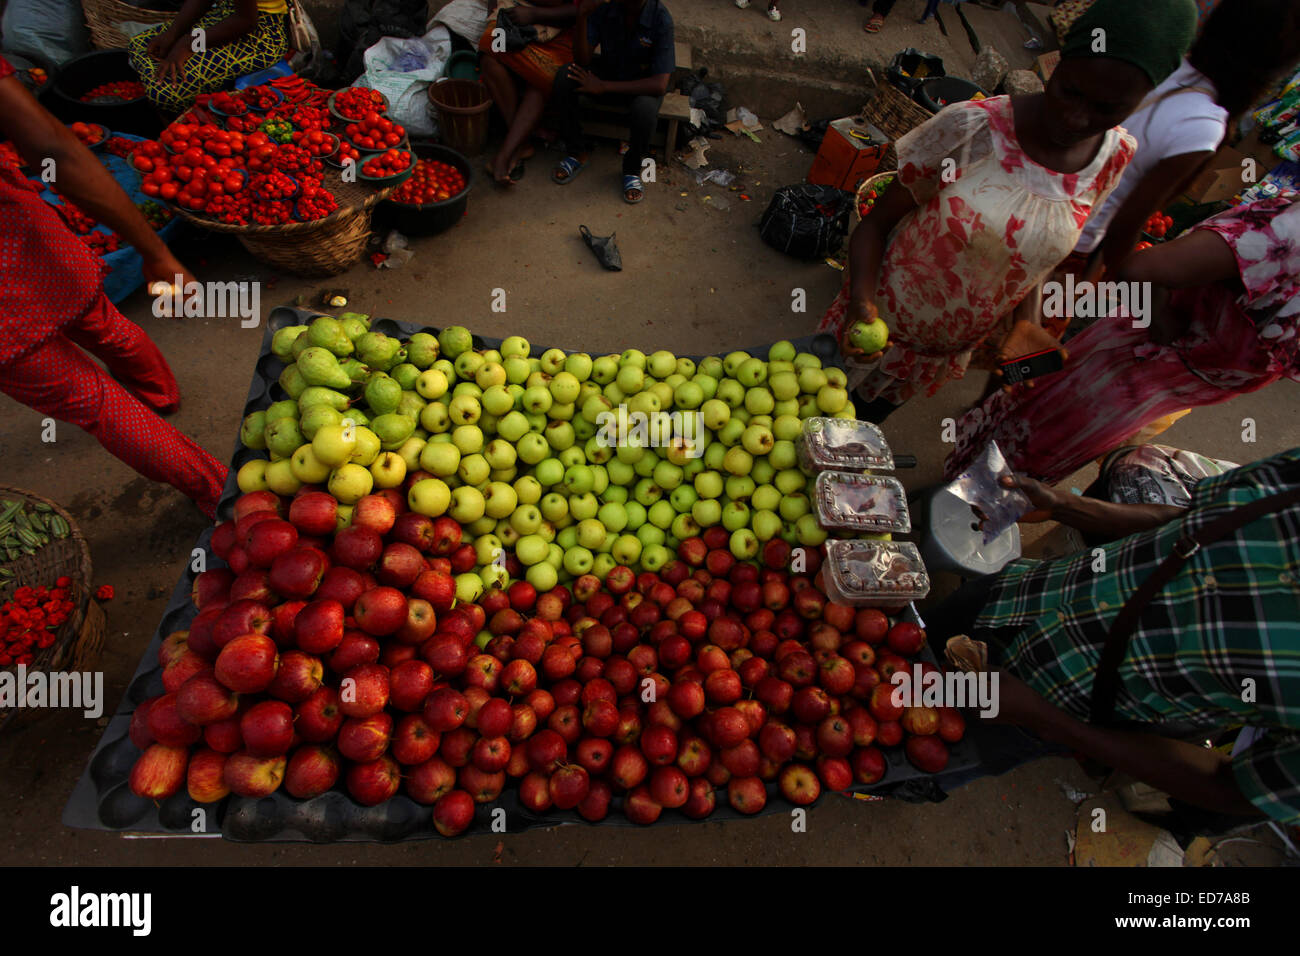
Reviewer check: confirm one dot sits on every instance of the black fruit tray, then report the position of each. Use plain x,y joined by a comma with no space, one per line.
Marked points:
102,799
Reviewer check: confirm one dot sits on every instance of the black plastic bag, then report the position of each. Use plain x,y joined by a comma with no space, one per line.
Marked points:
604,248
363,22
909,67
813,135
710,98
807,221
517,37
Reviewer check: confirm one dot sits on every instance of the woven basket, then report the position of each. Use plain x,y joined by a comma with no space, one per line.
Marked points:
325,247
103,17
895,115
82,635
865,185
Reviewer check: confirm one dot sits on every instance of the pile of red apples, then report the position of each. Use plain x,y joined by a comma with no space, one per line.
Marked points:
320,659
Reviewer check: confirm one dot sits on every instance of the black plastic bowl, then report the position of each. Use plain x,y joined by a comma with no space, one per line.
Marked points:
81,75
937,92
429,219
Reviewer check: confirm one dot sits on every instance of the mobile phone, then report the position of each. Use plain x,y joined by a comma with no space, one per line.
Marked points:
1031,366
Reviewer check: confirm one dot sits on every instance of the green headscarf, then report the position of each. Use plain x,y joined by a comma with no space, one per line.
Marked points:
1153,35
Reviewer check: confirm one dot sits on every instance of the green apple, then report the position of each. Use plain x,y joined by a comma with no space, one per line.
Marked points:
644,404
508,475
515,346
645,492
661,364
281,479
620,472
794,507
552,361
517,369
751,372
707,512
497,400
350,483
473,470
806,360
565,388
283,436
684,526
744,544
584,431
714,454
645,465
759,401
367,447
683,498
635,512
809,531
757,440
538,400
440,458
783,351
786,427
594,407
562,413
811,380
615,394
735,516
784,386
508,535
559,435
654,557
711,366
613,516
737,461
567,538
500,454
467,504
583,506
578,364
388,470
765,498
454,341
480,527
526,519
549,472
740,487
627,550
554,506
730,433
531,549
808,406
468,438
708,484
732,362
578,561
307,468
579,479
630,379
467,365
604,369
599,479
832,398
469,588
429,496
790,481
789,407
661,514
784,455
650,533
590,534
499,500
434,418
533,448
316,417
542,577
709,386
464,410
253,431
716,413
766,525
528,489
252,476
667,475
836,377
662,391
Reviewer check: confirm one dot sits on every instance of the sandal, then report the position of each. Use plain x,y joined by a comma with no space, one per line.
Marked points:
567,169
875,24
633,184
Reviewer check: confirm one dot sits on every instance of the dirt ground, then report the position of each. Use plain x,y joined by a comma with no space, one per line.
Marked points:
696,279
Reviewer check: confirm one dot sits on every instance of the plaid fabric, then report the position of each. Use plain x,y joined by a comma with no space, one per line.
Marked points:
1231,614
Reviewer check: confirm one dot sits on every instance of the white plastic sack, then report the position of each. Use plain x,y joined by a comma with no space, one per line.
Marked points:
402,70
466,18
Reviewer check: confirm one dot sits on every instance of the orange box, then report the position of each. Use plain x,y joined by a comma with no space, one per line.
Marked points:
850,152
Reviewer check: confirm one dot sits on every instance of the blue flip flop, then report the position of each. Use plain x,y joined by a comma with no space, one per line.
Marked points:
630,183
570,166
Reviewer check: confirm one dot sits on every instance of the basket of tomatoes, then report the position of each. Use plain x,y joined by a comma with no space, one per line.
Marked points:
869,191
1157,227
353,103
436,195
389,168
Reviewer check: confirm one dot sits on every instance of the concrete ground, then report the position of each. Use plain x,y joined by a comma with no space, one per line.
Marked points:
696,279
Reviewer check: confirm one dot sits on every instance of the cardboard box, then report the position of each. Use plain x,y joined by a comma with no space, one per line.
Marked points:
850,152
1046,63
1222,179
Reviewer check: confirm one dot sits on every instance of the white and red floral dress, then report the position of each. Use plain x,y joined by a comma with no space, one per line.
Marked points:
989,226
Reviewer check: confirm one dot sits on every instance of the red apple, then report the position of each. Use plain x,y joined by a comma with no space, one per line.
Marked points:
747,795
777,741
364,690
314,512
250,776
799,785
381,611
836,773
905,638
928,754
205,776
247,664
453,813
298,572
375,781
868,765
311,771
159,772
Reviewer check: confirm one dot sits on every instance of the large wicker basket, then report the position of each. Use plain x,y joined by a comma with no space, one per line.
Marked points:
895,115
324,247
81,638
104,18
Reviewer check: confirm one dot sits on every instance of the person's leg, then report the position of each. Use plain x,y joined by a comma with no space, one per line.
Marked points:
128,352
643,114
59,380
568,113
529,114
500,85
883,7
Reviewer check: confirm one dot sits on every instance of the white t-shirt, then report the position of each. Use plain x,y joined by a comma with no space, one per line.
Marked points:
1178,117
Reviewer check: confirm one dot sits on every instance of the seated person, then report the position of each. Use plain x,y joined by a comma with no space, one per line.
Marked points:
635,64
1210,650
239,37
535,65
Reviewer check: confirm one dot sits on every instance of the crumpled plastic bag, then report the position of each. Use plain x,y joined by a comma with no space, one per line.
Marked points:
398,249
402,69
604,248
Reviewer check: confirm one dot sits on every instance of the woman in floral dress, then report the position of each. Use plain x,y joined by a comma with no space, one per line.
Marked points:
1229,326
990,197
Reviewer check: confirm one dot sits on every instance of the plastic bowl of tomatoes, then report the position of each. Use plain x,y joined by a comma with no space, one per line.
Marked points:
436,195
353,102
388,168
92,135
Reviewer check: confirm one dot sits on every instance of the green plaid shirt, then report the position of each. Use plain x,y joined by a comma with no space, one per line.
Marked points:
1230,617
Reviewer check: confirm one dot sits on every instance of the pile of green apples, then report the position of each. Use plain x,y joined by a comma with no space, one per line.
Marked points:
526,453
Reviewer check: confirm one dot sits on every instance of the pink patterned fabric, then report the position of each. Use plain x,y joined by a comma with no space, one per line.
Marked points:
989,226
1117,380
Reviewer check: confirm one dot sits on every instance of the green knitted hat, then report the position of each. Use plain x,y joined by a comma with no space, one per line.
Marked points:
1153,35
